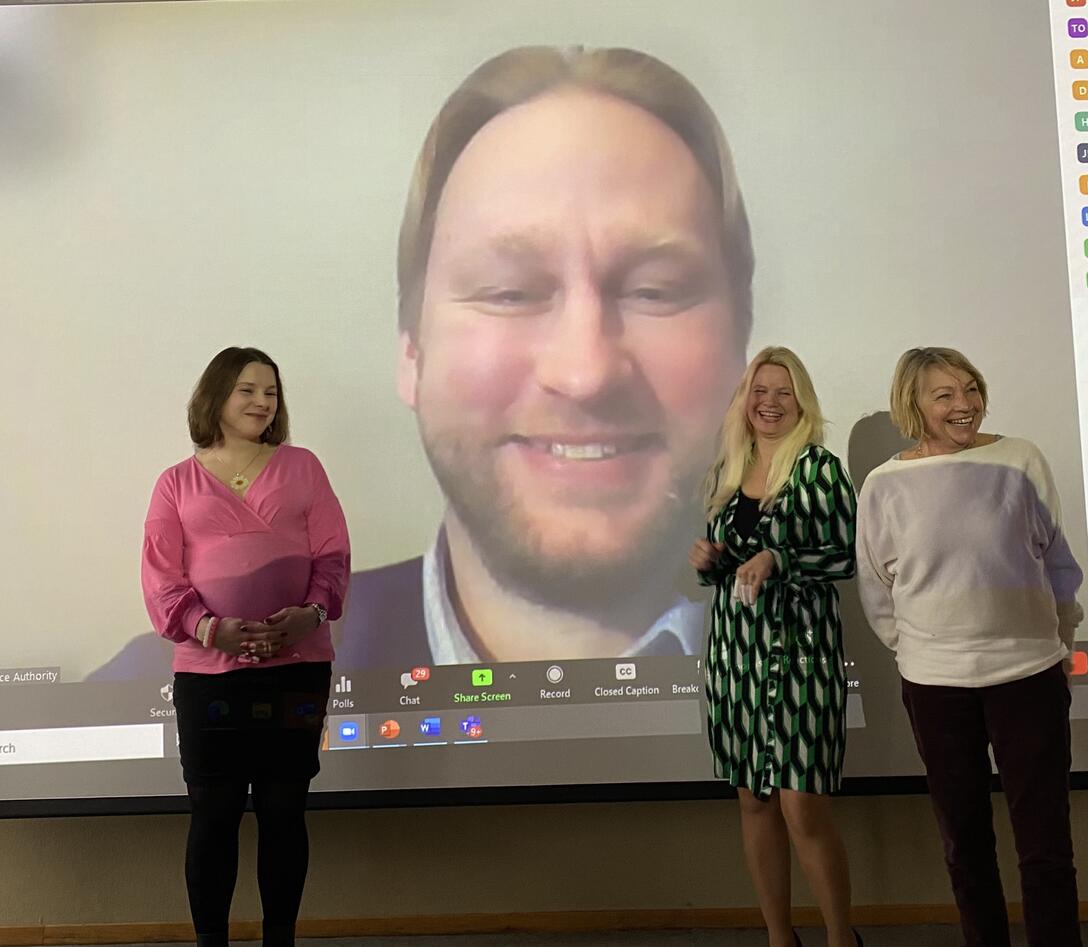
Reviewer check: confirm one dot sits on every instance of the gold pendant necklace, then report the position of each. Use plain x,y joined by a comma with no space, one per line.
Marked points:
239,482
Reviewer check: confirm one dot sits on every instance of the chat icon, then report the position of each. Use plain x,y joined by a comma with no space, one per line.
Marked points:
406,680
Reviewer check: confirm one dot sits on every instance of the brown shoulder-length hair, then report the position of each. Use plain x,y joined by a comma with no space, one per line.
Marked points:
521,74
214,388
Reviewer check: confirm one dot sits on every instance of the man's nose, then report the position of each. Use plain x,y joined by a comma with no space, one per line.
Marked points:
584,355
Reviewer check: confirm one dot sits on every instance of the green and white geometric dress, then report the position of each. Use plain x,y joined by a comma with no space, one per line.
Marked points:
775,679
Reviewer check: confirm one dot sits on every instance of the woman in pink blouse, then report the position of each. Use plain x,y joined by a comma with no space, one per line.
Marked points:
245,560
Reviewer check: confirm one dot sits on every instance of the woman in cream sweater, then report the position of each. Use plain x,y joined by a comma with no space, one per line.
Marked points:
965,574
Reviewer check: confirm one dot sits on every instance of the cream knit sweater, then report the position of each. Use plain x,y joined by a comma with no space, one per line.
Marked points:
963,569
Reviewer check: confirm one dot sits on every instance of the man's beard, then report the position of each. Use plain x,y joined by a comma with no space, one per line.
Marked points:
572,577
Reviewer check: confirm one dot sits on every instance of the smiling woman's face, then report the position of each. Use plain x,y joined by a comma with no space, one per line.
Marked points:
576,346
952,408
252,404
772,403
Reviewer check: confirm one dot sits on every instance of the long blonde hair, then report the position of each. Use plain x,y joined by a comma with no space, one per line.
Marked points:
737,441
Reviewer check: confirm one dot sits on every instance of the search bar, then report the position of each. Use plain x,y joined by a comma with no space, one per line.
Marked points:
141,741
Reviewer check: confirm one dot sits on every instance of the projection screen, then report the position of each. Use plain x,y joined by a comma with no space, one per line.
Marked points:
180,177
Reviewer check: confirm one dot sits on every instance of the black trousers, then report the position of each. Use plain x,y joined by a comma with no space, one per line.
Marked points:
256,728
211,855
1027,724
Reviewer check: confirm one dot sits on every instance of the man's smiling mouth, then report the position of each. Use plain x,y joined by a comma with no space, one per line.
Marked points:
589,448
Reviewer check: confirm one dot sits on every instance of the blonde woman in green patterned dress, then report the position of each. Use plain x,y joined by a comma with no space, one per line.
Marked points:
780,532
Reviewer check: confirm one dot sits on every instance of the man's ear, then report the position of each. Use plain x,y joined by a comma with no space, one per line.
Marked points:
408,364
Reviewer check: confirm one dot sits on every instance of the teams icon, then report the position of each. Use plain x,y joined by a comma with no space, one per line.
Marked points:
472,727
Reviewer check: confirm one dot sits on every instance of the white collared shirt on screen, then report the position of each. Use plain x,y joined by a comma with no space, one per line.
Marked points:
678,631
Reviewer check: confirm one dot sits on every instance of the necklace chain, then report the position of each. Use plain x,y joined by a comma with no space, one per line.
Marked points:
921,446
239,481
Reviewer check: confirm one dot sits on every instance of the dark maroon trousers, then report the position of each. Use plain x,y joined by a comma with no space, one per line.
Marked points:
1027,723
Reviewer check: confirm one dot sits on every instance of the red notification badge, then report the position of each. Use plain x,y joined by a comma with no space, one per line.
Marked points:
421,674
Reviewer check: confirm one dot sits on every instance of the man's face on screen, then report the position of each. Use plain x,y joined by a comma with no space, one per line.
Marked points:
576,344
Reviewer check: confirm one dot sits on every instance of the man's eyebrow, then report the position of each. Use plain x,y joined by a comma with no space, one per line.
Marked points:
520,244
650,249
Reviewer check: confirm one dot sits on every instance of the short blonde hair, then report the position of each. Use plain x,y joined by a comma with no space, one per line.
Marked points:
522,74
907,381
736,442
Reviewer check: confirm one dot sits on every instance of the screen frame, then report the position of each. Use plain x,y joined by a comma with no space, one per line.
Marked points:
461,796
855,786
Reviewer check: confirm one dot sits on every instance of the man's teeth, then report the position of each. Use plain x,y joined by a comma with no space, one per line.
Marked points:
583,451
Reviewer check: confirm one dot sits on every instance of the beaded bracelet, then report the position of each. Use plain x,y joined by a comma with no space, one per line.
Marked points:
209,633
